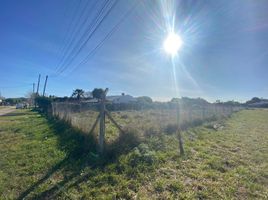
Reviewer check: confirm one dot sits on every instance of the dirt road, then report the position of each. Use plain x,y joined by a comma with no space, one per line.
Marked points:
6,110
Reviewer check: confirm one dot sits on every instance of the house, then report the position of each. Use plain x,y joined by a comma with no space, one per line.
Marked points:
261,104
117,99
2,102
257,102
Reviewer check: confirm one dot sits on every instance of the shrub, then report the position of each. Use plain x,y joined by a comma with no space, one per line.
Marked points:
44,104
142,155
171,128
124,143
152,131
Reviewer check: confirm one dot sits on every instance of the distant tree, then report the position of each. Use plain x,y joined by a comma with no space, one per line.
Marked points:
144,100
44,104
218,101
253,100
232,103
13,101
78,94
174,100
88,94
30,96
97,93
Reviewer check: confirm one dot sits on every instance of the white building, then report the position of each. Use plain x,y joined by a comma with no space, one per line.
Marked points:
121,98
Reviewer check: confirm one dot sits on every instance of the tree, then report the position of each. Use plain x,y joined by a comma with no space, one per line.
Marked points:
144,100
44,104
97,93
88,94
254,100
175,100
78,93
30,96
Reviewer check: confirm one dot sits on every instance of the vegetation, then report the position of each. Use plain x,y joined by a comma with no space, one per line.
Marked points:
14,101
78,94
155,120
97,93
47,159
144,100
44,104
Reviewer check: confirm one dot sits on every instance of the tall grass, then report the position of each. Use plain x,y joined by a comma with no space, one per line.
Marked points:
145,121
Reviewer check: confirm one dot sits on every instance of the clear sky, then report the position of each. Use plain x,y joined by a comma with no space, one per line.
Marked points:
224,53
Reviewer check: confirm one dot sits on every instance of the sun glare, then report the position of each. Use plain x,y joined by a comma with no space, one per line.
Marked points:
173,43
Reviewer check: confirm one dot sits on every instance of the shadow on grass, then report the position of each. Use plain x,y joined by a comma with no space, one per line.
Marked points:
81,150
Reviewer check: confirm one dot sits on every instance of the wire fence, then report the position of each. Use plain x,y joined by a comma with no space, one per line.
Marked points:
147,119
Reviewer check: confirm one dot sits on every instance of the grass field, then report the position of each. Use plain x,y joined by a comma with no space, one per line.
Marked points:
5,107
46,159
145,121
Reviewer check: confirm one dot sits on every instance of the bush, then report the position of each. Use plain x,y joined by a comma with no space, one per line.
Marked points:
152,131
44,104
124,143
171,128
142,155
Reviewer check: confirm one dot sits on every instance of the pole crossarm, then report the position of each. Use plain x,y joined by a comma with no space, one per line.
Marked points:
111,118
95,124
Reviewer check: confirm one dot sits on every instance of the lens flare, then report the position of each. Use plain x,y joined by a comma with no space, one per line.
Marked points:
173,43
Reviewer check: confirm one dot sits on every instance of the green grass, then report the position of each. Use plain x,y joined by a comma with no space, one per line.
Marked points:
46,159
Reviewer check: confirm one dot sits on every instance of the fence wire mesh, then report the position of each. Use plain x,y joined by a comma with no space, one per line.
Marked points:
146,119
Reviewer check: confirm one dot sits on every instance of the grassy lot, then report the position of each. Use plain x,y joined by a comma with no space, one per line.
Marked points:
4,107
145,120
46,159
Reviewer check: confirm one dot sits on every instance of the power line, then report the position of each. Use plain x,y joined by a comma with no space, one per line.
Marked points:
93,51
68,52
75,31
84,35
69,26
66,64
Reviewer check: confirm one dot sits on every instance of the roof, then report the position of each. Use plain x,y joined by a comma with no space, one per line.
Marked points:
121,97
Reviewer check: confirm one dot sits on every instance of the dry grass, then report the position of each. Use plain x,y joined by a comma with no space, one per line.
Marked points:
146,121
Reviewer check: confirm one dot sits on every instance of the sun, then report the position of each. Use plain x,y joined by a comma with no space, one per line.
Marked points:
173,43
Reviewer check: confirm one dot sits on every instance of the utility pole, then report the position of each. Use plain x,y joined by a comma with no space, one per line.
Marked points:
36,94
38,84
33,87
45,86
33,96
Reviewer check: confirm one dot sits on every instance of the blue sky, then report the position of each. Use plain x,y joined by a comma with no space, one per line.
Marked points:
224,55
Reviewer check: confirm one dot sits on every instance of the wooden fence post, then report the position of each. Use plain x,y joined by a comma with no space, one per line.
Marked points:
102,123
179,132
101,118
